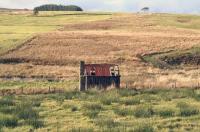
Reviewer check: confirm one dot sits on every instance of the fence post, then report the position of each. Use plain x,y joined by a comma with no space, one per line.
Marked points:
22,90
81,77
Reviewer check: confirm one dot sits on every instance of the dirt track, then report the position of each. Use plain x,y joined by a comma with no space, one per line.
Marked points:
118,40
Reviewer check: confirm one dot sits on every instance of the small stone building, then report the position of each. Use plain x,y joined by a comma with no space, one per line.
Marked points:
99,75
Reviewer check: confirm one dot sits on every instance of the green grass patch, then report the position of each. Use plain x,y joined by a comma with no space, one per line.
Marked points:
38,84
130,101
144,128
143,111
92,109
174,59
81,130
35,123
93,106
7,101
124,111
85,111
14,28
106,123
8,121
127,92
165,113
107,98
26,111
187,110
177,20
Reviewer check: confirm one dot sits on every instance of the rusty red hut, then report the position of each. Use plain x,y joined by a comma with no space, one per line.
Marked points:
99,75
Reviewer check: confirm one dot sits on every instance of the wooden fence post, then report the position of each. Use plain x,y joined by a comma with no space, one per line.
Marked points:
82,77
22,90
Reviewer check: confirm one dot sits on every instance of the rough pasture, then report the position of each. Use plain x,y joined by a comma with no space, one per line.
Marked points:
122,39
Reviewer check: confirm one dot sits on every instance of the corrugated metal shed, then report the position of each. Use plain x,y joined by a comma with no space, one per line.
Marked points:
98,69
99,75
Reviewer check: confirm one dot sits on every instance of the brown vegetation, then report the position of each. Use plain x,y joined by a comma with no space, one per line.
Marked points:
119,40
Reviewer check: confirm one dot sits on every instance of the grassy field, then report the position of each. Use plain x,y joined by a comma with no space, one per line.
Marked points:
178,21
17,26
115,110
62,39
119,38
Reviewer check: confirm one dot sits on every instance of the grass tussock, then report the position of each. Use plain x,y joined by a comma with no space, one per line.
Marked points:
131,101
127,92
72,95
109,97
92,109
143,111
165,113
91,113
81,130
187,110
8,121
24,112
124,111
93,106
36,123
144,128
7,101
106,123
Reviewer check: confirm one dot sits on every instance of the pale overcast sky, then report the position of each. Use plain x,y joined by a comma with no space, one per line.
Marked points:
174,6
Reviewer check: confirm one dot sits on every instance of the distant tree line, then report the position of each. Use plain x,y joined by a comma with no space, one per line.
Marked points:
54,7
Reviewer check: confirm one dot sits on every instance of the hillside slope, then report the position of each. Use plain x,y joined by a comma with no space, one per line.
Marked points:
123,39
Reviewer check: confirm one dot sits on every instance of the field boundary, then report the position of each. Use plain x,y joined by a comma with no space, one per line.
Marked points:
19,45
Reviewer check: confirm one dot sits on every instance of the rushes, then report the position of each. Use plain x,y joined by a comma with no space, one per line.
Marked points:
131,101
8,121
92,109
14,112
7,101
105,122
186,109
144,128
143,111
166,113
124,111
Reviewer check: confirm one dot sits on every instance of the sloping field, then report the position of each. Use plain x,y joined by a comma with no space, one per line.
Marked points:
15,26
122,39
48,63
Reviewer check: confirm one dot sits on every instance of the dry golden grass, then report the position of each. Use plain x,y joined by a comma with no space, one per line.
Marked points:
118,40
